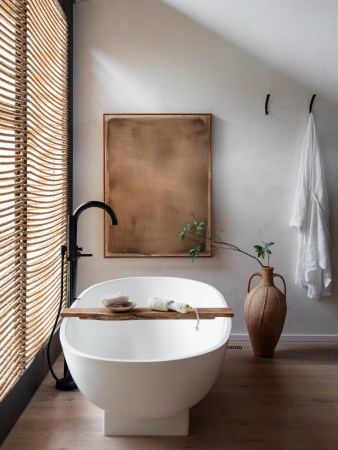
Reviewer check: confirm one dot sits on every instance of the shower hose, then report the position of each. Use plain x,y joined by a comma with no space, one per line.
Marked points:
61,383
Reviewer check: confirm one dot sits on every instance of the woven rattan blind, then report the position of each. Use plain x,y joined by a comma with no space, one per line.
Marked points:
34,161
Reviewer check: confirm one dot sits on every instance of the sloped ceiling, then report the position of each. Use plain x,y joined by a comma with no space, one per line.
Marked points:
297,37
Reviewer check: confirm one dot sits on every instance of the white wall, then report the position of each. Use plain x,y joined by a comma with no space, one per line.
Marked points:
221,57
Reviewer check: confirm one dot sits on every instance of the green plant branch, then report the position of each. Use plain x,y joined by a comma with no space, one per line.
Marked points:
197,233
227,246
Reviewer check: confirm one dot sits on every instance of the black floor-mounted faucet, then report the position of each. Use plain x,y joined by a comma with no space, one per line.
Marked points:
74,253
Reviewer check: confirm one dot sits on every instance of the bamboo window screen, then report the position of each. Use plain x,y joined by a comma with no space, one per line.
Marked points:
34,161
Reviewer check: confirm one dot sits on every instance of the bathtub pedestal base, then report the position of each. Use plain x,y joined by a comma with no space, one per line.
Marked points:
177,425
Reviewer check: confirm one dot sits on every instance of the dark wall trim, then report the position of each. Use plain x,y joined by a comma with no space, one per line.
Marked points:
67,6
18,398
69,13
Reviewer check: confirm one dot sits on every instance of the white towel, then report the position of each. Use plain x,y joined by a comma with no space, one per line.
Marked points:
180,307
163,304
310,218
159,304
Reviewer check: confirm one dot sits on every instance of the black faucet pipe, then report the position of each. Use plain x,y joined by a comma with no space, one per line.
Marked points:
74,252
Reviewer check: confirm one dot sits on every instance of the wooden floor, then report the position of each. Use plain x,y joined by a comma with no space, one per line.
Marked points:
286,403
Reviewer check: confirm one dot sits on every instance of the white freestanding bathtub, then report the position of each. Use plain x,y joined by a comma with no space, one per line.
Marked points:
146,374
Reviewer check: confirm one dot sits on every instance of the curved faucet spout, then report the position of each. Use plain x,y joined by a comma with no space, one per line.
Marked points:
96,204
74,252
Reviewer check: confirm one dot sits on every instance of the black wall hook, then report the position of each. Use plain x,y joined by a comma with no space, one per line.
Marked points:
266,104
311,103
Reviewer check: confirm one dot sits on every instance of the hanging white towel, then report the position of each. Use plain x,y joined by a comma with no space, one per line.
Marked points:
310,218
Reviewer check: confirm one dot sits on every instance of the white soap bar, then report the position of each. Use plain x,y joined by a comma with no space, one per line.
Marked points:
116,299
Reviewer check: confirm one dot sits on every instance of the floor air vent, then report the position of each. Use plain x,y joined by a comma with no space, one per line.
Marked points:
246,347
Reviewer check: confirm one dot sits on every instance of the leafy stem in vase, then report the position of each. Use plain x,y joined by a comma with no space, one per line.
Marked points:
197,232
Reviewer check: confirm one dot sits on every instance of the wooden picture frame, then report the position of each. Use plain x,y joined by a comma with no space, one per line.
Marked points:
157,175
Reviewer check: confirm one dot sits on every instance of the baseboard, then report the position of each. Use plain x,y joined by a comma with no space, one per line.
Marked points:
292,337
18,398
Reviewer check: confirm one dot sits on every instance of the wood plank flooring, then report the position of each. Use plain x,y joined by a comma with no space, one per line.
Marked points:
289,402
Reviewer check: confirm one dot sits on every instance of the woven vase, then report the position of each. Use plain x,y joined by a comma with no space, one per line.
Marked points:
265,312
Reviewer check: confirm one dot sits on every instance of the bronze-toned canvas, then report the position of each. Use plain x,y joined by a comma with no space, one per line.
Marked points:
157,175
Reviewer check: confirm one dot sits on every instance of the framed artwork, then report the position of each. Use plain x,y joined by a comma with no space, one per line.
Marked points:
157,175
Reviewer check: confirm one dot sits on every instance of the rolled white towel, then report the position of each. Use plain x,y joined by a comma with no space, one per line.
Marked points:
116,299
180,307
159,304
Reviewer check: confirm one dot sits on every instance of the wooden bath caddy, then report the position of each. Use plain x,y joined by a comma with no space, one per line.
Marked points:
143,314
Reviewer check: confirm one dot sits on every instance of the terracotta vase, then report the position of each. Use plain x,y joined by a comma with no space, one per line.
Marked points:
265,311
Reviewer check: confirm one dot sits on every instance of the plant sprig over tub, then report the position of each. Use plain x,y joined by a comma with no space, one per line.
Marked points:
197,231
